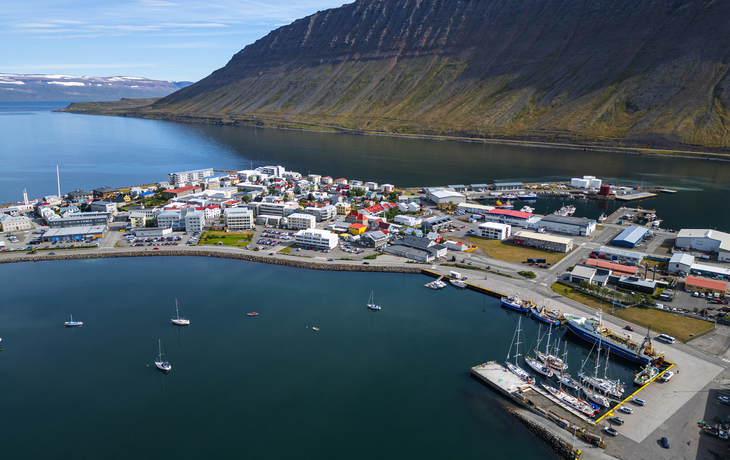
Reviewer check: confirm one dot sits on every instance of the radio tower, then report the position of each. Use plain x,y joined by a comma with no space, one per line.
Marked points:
58,179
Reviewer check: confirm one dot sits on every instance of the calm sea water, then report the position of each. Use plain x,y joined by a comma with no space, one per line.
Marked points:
391,384
95,151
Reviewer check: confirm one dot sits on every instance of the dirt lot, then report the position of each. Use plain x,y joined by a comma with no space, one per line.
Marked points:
511,253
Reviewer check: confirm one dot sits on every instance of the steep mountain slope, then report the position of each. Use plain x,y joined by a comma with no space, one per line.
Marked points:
16,87
638,72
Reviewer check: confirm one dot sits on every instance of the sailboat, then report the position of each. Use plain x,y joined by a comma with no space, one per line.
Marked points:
566,379
160,362
177,320
73,323
371,303
551,360
514,367
612,388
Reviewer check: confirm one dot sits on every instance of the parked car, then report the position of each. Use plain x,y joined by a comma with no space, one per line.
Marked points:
629,328
638,401
610,431
626,410
665,442
617,420
666,376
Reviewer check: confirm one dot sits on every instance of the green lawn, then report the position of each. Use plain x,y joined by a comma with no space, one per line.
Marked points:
239,239
511,253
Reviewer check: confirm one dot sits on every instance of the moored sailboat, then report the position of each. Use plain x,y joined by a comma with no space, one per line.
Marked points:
73,323
371,303
178,320
514,367
160,362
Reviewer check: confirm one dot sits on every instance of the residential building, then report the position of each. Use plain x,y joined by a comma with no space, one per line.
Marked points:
300,220
182,191
194,220
272,171
408,221
103,206
323,213
387,188
375,239
138,219
343,207
103,193
319,239
358,229
278,209
10,211
239,219
15,223
355,217
495,230
437,224
542,241
80,195
181,178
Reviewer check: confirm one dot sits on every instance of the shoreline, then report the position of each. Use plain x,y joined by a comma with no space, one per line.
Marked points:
250,121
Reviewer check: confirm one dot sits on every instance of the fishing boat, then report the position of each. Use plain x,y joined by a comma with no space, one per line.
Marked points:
73,323
552,360
515,367
253,313
593,331
371,303
513,302
542,314
539,367
510,196
602,218
527,209
458,283
160,361
571,401
177,320
646,374
505,205
529,196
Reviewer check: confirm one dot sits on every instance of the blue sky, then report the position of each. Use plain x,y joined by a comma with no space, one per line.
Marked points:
158,39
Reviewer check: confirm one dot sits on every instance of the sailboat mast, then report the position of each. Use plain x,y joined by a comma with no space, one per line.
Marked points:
517,344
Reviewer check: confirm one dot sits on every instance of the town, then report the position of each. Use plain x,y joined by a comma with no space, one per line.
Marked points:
669,285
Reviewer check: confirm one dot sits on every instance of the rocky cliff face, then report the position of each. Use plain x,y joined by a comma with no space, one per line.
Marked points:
640,72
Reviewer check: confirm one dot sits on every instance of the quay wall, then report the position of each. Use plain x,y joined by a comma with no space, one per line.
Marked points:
221,255
555,442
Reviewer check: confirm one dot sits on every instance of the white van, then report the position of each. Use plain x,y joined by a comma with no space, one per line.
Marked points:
665,338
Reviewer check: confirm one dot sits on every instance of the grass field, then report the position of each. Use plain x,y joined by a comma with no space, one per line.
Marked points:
239,239
679,327
511,253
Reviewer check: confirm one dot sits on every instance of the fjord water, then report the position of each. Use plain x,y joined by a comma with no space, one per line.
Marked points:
391,384
95,151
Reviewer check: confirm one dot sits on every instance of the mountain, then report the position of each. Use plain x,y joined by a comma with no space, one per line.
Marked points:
65,87
643,73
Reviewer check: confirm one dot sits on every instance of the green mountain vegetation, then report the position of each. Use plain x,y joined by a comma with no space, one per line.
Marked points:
641,73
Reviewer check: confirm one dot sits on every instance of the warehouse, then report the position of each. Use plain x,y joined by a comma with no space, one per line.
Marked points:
705,285
710,241
630,237
443,196
74,233
568,224
681,262
620,255
617,269
508,216
545,242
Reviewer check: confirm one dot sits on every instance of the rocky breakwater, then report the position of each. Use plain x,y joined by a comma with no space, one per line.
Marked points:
219,254
555,442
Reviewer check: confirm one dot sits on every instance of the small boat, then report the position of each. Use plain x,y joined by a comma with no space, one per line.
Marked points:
160,361
505,205
514,367
253,313
572,401
646,374
458,283
529,196
315,328
539,367
510,196
596,397
177,320
541,313
73,323
371,303
527,209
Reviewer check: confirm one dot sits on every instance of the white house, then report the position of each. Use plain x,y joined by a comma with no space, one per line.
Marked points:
301,221
495,230
194,220
238,219
320,239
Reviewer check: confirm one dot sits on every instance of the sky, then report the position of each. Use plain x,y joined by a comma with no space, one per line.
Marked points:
180,40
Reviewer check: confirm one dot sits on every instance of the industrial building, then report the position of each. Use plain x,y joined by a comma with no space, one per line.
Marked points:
443,195
631,237
705,285
620,255
152,231
586,182
103,206
504,186
636,284
417,248
495,230
514,218
319,239
681,262
617,269
545,242
79,219
74,233
709,241
474,208
568,224
182,191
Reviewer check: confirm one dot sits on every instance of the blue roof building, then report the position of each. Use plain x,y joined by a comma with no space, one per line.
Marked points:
630,237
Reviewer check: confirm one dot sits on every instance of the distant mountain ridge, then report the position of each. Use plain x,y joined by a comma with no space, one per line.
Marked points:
609,72
38,87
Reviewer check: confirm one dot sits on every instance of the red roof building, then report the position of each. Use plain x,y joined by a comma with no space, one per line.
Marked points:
616,268
510,213
705,285
183,191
